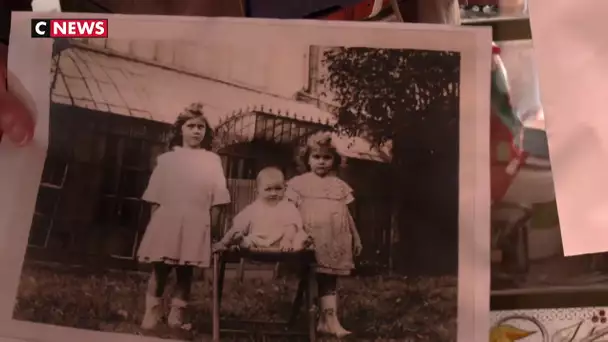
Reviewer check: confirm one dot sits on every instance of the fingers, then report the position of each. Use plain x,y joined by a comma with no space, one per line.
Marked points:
357,250
15,120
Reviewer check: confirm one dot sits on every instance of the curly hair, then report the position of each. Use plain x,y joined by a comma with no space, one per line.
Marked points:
320,139
193,111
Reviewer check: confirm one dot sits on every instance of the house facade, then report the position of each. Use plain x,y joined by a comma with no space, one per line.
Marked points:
112,104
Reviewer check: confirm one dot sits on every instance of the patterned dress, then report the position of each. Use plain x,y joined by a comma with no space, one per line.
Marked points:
185,184
323,203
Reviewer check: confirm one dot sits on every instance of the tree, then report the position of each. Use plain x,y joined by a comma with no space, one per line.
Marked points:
410,97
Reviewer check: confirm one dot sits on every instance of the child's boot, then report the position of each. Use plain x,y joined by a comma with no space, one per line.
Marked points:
176,314
328,322
153,312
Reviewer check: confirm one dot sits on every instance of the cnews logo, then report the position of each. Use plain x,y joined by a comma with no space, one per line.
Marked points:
69,28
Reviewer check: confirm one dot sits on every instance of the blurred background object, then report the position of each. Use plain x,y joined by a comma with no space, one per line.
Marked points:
250,8
296,9
507,17
478,8
46,5
512,7
471,9
212,8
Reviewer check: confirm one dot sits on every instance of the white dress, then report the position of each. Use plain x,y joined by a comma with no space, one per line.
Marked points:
265,225
185,184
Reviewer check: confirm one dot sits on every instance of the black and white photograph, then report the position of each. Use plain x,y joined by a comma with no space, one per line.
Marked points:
233,190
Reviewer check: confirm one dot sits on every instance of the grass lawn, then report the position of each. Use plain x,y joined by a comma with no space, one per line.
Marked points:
374,308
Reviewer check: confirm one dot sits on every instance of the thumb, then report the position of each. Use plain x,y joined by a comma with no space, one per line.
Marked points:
15,120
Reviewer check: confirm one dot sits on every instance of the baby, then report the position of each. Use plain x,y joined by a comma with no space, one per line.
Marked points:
270,222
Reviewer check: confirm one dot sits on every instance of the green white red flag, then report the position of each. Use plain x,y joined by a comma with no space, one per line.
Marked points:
506,132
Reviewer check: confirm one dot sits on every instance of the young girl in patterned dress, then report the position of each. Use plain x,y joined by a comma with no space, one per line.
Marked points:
186,189
323,200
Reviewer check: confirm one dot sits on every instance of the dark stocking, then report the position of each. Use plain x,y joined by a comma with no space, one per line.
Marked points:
184,276
328,284
158,279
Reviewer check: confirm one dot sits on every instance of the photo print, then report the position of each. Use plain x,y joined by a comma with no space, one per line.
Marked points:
306,183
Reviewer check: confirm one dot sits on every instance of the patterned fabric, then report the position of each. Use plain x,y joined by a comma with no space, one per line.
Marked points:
323,202
506,129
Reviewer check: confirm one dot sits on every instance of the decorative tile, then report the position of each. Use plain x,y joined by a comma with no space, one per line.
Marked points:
544,325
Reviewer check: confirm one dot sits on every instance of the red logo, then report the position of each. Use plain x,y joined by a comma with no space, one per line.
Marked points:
69,28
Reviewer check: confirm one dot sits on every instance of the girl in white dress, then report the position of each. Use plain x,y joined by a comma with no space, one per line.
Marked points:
186,189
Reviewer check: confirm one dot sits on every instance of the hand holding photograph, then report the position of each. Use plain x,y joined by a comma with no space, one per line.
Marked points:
235,179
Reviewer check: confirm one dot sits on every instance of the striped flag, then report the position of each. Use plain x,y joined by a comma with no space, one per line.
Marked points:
506,154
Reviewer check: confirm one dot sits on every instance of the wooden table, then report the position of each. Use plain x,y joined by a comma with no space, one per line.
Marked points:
305,292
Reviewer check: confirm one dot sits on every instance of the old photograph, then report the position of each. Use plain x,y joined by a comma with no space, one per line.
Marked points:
198,191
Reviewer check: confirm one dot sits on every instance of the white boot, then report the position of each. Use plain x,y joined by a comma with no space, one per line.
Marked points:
328,322
176,314
153,312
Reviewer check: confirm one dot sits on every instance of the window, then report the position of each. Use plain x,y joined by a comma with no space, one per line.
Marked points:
128,163
41,226
54,171
52,181
97,168
236,167
49,193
